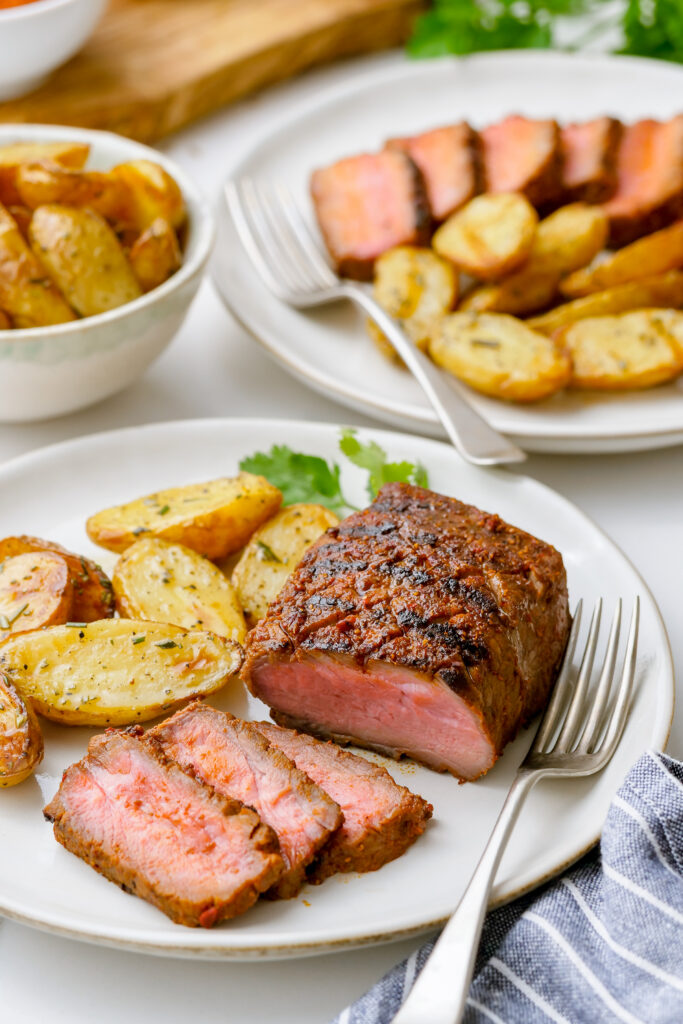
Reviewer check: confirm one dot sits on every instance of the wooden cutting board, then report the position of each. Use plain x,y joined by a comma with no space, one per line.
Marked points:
153,66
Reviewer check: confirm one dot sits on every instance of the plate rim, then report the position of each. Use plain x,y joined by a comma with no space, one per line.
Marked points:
173,946
355,85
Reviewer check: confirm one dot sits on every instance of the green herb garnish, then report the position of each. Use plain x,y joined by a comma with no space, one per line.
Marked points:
7,620
139,639
164,510
266,552
77,624
166,645
373,458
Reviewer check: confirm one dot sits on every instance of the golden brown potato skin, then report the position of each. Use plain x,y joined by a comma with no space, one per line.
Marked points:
26,293
21,741
152,193
35,591
93,597
155,254
5,322
67,154
654,254
489,237
166,582
213,518
44,184
83,257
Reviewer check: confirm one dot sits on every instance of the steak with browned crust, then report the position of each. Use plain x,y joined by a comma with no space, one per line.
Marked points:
418,626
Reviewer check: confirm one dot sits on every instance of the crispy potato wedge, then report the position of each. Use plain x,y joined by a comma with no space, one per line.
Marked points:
84,258
43,184
21,741
654,254
500,356
569,238
116,671
35,591
166,582
13,156
416,287
214,518
661,290
274,552
152,193
155,254
27,294
93,597
620,353
490,236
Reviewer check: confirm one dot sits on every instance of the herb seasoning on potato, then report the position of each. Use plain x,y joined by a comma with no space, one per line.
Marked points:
21,741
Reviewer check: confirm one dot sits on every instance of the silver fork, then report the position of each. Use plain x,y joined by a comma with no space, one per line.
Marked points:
578,735
292,265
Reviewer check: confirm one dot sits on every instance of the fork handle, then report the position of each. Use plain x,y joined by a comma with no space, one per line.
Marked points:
439,994
469,432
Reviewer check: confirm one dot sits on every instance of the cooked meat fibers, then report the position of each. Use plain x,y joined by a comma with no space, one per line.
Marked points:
450,163
521,155
589,153
418,626
234,758
649,191
381,819
161,834
365,205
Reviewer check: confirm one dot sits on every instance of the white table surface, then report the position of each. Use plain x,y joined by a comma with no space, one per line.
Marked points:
213,369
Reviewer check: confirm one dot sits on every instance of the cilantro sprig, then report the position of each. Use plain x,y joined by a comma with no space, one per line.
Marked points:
309,478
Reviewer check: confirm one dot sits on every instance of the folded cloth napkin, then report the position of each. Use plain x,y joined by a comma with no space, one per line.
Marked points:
602,944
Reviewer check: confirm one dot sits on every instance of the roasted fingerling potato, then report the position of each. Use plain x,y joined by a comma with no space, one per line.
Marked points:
166,582
654,254
116,671
670,320
152,193
621,353
500,356
274,552
15,155
213,518
21,741
93,597
155,254
489,237
84,258
35,591
27,294
43,184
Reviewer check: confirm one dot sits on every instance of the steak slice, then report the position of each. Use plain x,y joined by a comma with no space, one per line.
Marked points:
418,626
449,160
649,191
521,155
235,759
589,152
381,818
161,834
367,204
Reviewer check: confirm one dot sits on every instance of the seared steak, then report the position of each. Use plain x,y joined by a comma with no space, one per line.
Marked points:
381,819
450,164
418,626
235,759
589,157
365,205
144,823
521,155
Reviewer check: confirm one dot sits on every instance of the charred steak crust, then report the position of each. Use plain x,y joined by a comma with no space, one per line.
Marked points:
96,823
424,582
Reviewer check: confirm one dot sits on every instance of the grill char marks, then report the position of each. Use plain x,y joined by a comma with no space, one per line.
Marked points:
446,670
157,832
450,162
235,759
589,153
522,155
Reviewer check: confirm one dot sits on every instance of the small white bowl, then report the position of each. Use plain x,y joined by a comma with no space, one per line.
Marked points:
38,37
49,371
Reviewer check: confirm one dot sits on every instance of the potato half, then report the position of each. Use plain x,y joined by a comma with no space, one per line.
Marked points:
500,356
27,294
155,254
152,193
116,671
45,184
15,155
166,582
490,236
214,518
274,552
654,254
21,741
35,591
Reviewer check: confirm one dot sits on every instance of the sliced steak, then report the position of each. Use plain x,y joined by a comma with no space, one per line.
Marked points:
237,761
589,160
449,159
381,819
649,191
161,834
521,155
418,626
367,204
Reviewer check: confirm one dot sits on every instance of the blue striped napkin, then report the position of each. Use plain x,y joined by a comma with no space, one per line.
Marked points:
602,944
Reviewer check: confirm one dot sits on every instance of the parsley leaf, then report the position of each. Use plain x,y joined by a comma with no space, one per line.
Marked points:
300,477
373,458
654,28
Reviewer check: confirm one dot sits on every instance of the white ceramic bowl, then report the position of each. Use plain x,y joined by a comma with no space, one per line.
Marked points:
38,37
48,371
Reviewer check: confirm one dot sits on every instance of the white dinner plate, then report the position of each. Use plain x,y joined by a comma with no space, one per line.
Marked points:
328,348
51,492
